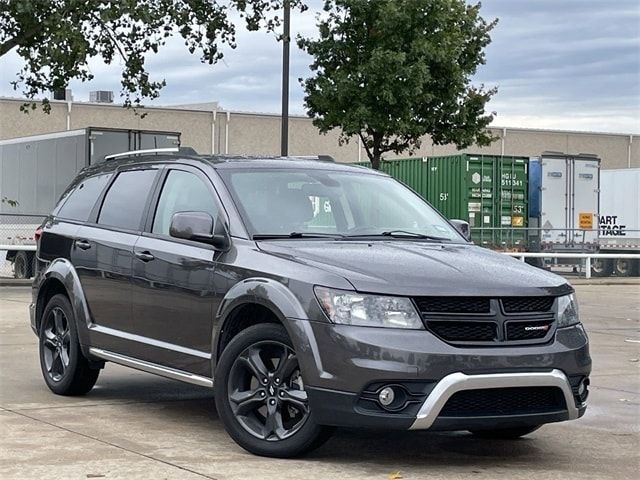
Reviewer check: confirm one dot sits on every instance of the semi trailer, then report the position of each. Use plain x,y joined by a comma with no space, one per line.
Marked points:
35,171
619,222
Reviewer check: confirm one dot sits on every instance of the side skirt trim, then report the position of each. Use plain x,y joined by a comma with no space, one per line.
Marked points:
152,368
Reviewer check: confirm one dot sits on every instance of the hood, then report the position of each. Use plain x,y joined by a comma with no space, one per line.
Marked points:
411,268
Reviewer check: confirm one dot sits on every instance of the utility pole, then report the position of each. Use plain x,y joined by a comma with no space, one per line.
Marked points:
284,130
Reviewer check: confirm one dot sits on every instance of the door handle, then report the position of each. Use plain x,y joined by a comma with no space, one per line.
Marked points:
144,256
83,244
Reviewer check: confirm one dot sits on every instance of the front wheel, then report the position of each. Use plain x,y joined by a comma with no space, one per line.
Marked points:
505,433
260,395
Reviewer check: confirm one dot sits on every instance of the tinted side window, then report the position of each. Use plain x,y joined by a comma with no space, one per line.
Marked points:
80,200
182,192
124,203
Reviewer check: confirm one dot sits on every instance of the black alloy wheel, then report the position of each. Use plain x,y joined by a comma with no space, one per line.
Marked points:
266,392
260,395
56,342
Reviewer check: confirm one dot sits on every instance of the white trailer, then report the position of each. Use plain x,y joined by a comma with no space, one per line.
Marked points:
563,202
619,221
35,171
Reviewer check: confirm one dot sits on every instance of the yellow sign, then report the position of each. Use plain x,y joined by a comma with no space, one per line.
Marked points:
517,221
585,220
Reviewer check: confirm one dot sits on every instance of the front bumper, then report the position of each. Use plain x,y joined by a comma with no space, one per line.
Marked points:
344,366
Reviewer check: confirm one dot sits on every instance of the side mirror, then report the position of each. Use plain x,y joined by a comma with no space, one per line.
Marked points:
462,227
198,227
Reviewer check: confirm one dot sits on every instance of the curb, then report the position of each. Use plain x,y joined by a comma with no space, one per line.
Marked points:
15,282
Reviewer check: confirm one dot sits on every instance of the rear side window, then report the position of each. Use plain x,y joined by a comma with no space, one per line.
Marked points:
80,200
124,203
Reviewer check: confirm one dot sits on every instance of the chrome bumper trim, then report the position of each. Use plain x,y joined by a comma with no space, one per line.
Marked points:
457,382
152,367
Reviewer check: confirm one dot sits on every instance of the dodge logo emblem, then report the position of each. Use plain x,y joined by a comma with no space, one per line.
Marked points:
537,327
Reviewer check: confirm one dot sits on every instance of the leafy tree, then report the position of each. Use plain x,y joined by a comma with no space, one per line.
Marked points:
393,71
56,38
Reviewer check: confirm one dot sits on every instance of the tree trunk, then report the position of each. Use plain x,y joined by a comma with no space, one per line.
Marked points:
375,161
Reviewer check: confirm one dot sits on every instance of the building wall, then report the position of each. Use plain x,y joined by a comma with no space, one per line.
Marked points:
259,133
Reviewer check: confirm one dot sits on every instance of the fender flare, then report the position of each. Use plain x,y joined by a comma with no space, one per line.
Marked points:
63,271
269,293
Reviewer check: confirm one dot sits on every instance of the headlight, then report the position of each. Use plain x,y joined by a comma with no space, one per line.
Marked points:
351,308
567,311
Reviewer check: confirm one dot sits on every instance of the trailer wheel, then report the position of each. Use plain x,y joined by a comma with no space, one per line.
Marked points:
601,267
625,267
22,265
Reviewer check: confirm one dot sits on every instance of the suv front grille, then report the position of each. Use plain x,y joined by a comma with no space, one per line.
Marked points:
483,320
504,401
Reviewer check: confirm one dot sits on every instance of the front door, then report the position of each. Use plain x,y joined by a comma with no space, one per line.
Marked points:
173,280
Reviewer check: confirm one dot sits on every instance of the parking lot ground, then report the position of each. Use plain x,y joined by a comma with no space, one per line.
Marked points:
135,425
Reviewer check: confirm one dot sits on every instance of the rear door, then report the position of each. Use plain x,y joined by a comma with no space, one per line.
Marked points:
174,300
584,208
103,254
554,205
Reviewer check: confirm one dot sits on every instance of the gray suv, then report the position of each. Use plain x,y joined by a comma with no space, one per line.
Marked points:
307,294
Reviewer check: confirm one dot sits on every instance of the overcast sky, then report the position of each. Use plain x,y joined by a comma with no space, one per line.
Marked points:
568,64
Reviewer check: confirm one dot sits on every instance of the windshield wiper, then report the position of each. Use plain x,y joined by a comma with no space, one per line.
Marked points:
405,233
272,236
401,234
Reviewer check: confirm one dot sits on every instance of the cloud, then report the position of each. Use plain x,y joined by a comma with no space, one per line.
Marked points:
571,64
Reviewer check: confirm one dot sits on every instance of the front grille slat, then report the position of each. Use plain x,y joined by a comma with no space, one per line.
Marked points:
485,320
528,330
527,304
465,331
504,401
454,304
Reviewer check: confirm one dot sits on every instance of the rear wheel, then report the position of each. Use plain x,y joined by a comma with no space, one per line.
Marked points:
625,267
22,265
65,370
601,267
260,395
505,433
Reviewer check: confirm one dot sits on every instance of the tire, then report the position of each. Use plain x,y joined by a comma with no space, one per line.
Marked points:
625,267
601,267
34,265
22,265
505,433
58,339
269,415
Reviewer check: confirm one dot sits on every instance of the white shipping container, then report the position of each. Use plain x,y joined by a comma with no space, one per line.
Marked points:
620,209
569,201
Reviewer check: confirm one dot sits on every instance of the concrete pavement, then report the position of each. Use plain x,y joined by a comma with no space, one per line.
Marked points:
135,425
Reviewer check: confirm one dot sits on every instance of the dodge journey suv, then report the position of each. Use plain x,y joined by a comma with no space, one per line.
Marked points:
307,294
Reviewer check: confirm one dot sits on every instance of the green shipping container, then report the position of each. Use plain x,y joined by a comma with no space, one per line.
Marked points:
488,191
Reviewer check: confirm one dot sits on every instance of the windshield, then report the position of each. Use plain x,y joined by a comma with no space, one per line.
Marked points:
276,202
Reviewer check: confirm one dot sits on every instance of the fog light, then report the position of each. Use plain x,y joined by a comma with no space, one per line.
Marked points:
581,388
386,396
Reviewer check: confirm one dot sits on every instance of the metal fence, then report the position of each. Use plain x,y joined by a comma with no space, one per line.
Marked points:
539,239
17,241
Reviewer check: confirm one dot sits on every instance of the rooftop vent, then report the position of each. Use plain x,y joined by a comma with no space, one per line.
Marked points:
101,96
62,94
